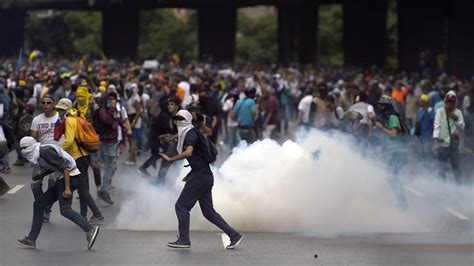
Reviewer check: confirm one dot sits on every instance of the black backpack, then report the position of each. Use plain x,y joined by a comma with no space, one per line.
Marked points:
206,148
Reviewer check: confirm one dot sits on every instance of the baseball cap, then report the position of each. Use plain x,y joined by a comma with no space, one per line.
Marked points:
64,104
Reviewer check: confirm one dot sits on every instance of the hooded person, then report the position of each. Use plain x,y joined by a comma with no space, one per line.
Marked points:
199,183
83,103
448,128
51,158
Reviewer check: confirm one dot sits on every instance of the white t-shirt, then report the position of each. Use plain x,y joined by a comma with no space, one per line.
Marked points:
304,107
227,107
45,128
123,115
145,98
364,109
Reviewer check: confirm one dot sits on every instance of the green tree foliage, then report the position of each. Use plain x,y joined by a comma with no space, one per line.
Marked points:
162,33
64,33
257,39
330,35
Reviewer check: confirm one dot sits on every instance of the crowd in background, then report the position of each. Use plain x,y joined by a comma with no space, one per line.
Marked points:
233,103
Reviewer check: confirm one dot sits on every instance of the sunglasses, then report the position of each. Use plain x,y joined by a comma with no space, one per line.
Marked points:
46,102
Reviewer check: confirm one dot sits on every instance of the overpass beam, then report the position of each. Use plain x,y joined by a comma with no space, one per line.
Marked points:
120,32
364,26
461,37
216,33
298,32
12,29
421,30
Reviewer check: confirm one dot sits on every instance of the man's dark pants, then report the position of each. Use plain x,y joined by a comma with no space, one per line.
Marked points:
85,198
49,197
199,188
450,154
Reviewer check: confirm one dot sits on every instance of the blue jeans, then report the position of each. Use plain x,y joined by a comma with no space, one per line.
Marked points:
110,154
48,198
232,133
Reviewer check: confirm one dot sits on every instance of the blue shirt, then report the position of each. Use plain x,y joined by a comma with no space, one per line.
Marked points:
244,109
426,120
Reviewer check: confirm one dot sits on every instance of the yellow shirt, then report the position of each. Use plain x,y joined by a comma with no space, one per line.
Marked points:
70,144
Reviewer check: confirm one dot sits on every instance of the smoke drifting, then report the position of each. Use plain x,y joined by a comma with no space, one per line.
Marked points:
320,184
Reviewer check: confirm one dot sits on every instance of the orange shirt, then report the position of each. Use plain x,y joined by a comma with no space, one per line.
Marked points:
400,95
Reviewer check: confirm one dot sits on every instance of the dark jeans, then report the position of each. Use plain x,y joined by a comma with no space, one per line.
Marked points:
49,197
248,134
85,198
37,188
199,188
450,154
151,160
170,150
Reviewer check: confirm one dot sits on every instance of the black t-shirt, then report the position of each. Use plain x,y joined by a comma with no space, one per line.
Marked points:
196,161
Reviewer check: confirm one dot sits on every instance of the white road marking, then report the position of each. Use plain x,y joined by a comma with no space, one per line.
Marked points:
15,189
456,213
414,191
449,210
225,240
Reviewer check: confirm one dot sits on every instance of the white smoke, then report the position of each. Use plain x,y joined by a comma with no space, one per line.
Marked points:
320,184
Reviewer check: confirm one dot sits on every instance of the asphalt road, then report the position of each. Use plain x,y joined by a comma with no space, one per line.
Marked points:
62,243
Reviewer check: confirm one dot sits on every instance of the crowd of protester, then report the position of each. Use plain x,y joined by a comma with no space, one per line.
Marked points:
131,107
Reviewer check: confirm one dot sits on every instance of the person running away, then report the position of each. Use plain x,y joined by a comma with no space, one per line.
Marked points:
51,158
198,187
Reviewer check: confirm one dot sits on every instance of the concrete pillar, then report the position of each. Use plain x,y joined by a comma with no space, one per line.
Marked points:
421,28
120,32
216,33
12,29
297,32
364,27
461,37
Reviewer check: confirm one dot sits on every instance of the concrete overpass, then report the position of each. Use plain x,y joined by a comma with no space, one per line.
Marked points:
423,25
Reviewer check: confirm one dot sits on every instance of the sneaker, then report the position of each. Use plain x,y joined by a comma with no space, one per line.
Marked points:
46,216
143,171
180,243
4,188
95,220
26,243
91,236
127,162
105,197
235,242
5,169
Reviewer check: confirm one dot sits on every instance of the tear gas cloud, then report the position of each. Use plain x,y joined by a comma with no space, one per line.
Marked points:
319,184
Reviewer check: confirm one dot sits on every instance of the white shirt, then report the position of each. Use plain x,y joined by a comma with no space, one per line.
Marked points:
227,107
364,109
122,116
304,107
45,128
437,123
